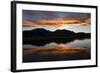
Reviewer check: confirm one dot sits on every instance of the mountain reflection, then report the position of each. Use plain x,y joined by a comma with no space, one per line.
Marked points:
75,50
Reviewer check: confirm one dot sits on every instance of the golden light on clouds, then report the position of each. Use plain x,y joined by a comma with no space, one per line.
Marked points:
57,22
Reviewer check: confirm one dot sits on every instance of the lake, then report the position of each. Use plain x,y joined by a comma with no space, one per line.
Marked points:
53,51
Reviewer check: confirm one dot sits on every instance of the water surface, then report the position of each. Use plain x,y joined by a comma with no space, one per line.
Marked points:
52,51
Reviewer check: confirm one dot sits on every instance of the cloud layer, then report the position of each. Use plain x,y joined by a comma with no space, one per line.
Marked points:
56,23
53,20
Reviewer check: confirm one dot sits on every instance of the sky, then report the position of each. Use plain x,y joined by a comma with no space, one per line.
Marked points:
54,20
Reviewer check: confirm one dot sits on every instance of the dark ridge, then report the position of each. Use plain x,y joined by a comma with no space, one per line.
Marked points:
42,36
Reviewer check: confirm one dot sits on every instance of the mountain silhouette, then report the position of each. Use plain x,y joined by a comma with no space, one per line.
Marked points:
43,32
42,36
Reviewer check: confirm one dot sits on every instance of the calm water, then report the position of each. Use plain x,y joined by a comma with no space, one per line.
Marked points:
75,50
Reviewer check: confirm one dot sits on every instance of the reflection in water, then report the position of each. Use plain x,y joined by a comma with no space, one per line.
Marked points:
76,50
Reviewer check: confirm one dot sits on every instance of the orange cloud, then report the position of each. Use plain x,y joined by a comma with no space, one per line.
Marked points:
57,22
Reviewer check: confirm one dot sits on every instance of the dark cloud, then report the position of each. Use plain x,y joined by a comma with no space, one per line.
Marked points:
38,15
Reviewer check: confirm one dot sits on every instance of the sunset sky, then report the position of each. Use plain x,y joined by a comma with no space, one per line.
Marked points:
54,20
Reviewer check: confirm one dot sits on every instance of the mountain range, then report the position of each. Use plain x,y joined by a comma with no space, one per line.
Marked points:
42,36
